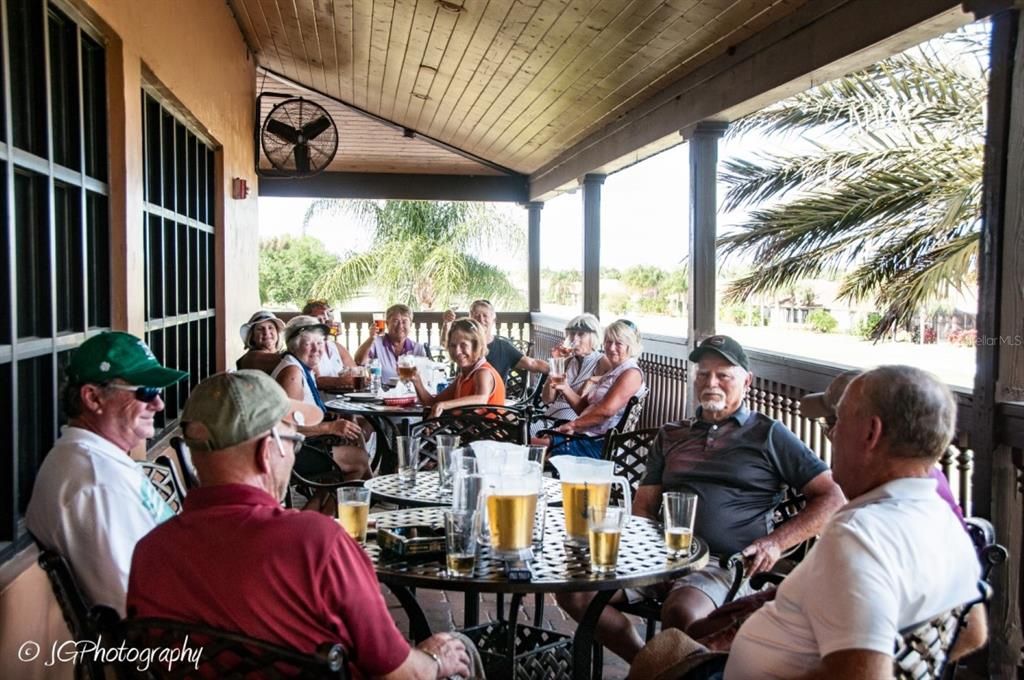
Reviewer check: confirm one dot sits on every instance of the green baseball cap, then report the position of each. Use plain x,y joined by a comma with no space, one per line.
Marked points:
230,408
113,354
723,346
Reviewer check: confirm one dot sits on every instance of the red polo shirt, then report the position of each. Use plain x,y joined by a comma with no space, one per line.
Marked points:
235,559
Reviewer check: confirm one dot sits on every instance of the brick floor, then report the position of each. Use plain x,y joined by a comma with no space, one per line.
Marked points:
445,611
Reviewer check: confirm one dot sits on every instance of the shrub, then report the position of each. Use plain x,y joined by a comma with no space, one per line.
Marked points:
866,326
734,314
822,322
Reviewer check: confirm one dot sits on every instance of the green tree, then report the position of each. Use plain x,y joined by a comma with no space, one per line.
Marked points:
423,253
289,266
821,321
643,278
562,287
891,205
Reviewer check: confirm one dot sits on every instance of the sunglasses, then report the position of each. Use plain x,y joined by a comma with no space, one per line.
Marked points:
629,324
827,423
143,394
296,439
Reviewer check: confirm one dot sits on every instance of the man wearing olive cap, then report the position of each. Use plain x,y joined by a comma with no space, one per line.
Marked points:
91,503
236,560
739,464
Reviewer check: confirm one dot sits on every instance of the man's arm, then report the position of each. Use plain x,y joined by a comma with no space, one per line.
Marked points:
647,501
452,659
824,497
526,363
852,664
974,634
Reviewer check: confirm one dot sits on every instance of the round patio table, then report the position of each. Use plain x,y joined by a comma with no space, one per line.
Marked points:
426,491
382,418
557,568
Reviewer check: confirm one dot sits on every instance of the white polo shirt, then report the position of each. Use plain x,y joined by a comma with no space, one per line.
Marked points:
92,503
889,559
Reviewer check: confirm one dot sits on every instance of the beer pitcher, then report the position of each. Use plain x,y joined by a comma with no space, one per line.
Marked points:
509,504
586,483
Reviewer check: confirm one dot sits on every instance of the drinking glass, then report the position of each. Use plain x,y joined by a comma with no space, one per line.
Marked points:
556,370
604,529
539,517
408,450
536,455
406,368
460,534
446,444
353,511
466,489
379,322
680,511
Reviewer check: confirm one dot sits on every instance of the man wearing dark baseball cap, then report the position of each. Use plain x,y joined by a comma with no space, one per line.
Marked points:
235,559
738,462
91,503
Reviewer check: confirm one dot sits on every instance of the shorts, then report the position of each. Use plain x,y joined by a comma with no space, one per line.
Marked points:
582,447
713,580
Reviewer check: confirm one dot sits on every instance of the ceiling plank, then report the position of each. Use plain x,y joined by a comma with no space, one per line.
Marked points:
382,25
433,52
398,44
362,27
245,22
344,18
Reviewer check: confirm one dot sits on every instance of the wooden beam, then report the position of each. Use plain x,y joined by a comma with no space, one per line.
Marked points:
533,264
1000,365
984,8
819,41
399,186
592,243
703,141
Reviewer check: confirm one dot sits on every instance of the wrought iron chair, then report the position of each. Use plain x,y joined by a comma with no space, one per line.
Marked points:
315,473
628,450
627,423
222,654
73,607
164,477
471,423
187,471
922,650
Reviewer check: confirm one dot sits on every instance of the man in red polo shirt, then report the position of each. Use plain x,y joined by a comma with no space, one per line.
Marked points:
235,559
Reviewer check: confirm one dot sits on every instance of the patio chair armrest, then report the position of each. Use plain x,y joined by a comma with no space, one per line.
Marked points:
736,565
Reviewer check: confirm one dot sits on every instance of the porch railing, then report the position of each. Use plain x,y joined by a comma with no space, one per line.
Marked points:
355,327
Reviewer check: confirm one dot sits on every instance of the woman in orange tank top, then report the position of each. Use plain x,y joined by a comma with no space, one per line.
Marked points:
476,382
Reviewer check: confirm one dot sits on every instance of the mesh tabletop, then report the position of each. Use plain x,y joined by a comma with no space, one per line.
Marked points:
374,408
424,491
643,560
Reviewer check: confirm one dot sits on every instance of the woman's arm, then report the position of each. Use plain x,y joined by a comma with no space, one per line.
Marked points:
364,349
624,387
483,387
578,402
346,359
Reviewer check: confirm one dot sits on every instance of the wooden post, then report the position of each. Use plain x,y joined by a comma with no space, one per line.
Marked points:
533,264
592,243
1000,357
703,139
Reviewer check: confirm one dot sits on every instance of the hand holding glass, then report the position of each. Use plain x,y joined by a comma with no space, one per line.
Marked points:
680,511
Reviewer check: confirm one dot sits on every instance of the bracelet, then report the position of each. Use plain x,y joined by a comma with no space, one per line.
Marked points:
437,660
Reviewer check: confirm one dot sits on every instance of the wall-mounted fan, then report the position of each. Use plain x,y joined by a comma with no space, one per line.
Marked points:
299,137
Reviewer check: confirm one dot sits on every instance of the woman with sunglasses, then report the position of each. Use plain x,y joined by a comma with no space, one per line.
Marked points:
296,373
600,408
583,361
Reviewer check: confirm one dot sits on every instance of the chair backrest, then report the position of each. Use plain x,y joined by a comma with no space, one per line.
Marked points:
472,423
161,473
628,450
631,414
69,595
185,467
922,649
524,346
219,653
990,553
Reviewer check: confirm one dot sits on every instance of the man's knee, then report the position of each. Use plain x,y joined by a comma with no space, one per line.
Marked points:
683,606
574,604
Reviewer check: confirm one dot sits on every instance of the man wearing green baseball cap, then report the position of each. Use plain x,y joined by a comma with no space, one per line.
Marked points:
91,503
285,576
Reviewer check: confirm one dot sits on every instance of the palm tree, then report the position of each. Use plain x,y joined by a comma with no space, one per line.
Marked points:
890,204
422,253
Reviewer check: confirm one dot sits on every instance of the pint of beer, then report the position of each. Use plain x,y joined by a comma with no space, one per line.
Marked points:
604,529
510,519
679,510
353,511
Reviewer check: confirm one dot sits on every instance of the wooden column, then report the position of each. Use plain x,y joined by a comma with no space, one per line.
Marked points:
1000,355
703,140
533,264
592,243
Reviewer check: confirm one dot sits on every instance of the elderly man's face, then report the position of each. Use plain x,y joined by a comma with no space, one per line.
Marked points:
849,442
720,386
125,420
485,317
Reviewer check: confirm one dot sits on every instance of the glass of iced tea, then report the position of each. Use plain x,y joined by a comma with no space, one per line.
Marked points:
353,511
680,511
460,533
604,530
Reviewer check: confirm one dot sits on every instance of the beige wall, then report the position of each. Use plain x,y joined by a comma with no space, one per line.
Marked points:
195,52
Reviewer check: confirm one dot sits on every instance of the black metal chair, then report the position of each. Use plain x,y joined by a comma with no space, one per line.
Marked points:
628,450
164,477
627,423
316,474
222,654
922,650
73,607
471,423
186,469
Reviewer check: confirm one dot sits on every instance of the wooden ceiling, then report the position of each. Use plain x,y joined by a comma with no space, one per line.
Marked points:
510,82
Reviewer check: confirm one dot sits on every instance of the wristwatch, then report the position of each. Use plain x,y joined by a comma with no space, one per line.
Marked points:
437,660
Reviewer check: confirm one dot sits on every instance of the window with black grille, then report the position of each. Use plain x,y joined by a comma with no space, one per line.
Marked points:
55,226
179,242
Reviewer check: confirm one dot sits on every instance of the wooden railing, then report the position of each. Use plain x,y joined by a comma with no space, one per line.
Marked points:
426,328
780,382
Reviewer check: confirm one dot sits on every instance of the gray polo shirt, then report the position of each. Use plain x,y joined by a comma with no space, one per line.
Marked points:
739,468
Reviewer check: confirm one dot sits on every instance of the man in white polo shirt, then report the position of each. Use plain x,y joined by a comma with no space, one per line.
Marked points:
91,503
894,556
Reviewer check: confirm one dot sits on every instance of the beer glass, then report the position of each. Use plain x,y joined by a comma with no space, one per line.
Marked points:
460,531
680,510
539,517
556,370
604,529
466,489
408,450
446,445
379,323
536,455
353,511
406,368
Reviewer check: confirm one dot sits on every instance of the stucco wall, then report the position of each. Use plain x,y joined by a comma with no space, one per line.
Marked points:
194,51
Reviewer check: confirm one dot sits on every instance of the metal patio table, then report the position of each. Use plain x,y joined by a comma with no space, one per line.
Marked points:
425,491
382,419
557,568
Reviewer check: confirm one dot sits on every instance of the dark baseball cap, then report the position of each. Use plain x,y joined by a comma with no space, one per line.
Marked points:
723,346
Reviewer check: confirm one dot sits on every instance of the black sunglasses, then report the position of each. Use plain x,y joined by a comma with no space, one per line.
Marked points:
143,394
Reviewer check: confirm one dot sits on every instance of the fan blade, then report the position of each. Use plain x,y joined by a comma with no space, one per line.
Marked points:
302,158
283,130
311,130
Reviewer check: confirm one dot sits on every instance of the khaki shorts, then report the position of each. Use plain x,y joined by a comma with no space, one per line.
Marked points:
713,580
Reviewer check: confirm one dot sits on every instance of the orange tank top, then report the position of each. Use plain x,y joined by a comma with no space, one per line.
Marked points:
465,387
